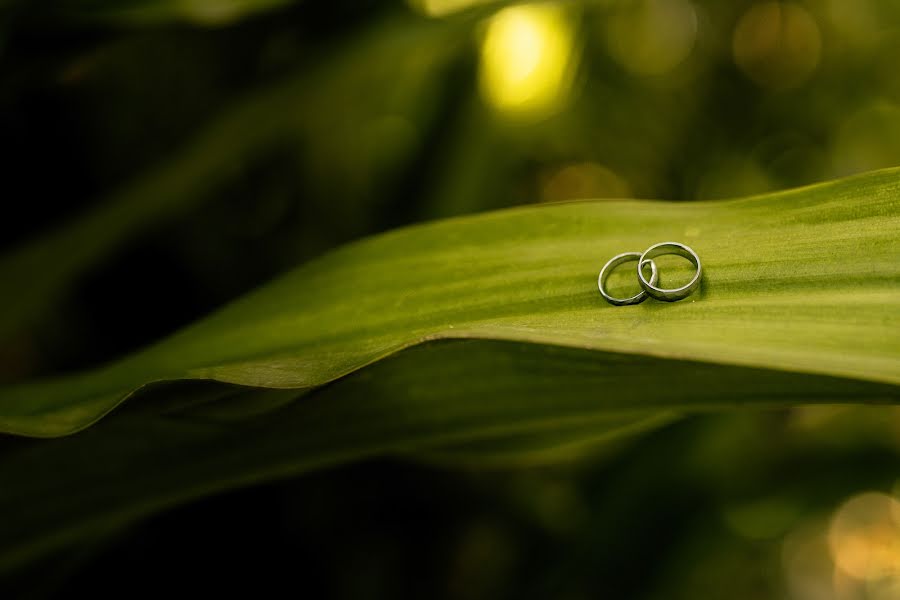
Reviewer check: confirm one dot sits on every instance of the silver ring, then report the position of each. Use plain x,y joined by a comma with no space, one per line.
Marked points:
670,295
614,262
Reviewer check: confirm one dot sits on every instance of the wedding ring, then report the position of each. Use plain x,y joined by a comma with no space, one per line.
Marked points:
673,294
614,262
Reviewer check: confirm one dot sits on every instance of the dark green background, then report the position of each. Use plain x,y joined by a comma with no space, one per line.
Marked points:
278,132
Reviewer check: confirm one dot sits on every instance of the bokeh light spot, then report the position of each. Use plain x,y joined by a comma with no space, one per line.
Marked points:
527,60
864,537
777,44
651,37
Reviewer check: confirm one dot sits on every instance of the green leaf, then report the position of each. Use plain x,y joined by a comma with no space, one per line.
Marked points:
803,281
441,399
474,339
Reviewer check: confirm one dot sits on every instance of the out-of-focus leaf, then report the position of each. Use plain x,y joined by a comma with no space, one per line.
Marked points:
215,13
159,12
409,52
444,399
803,281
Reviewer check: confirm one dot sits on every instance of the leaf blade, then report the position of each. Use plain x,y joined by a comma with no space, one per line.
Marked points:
433,398
804,280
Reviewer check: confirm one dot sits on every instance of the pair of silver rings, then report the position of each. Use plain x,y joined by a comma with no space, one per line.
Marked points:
648,286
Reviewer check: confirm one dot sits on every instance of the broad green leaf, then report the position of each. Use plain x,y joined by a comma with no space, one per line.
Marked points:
803,281
451,399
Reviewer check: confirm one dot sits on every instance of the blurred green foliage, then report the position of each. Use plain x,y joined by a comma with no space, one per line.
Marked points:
162,158
233,147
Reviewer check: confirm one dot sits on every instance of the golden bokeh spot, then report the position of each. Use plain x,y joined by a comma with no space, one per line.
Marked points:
528,60
651,37
864,537
582,181
777,44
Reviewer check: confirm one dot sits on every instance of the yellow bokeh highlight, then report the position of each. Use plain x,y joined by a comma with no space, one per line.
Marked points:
527,60
864,538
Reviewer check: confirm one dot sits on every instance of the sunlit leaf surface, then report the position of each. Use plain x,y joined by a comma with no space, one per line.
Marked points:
473,339
802,281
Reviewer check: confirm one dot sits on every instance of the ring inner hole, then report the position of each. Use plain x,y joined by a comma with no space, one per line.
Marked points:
674,271
623,282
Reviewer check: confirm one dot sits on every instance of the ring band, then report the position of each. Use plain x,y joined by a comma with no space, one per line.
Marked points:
673,294
614,262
